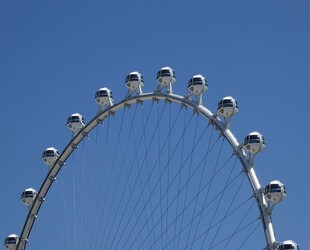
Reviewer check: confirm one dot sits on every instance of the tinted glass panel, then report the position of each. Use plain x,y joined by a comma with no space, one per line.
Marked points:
254,137
134,78
288,246
163,73
219,105
10,240
27,194
102,93
227,105
247,139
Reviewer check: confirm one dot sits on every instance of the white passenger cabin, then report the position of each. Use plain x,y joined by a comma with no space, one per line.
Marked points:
197,85
134,82
275,191
254,142
165,78
11,242
227,107
28,196
104,97
49,156
75,122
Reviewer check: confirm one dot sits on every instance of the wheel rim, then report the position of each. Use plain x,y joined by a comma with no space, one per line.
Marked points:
214,122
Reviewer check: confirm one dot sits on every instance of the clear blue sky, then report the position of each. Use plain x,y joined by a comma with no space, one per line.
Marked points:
54,55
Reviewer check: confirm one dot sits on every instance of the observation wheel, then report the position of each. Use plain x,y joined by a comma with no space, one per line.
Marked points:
155,170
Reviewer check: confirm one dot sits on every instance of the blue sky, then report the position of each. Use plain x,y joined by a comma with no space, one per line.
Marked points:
54,55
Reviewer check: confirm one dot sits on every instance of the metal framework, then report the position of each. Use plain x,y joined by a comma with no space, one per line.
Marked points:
246,160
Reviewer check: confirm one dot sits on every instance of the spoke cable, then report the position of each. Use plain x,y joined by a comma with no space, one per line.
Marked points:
158,181
122,166
135,182
113,196
218,204
230,205
180,175
200,183
175,198
202,210
153,168
218,222
168,168
127,174
240,223
189,173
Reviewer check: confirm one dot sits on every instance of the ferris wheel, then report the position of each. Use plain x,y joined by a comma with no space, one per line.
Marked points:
155,170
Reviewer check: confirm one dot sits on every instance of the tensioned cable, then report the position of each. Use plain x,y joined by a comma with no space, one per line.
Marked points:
137,159
189,173
147,164
218,222
209,186
78,196
112,166
168,164
241,229
159,179
251,233
202,175
51,232
137,150
102,189
121,167
198,168
180,175
74,200
82,194
200,183
162,197
65,212
160,169
55,211
230,205
238,231
184,187
118,131
135,182
139,171
132,119
218,203
99,194
238,226
202,210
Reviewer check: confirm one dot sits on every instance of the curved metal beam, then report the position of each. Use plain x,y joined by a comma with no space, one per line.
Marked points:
238,149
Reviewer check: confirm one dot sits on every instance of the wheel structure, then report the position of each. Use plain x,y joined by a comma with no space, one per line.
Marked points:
155,170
